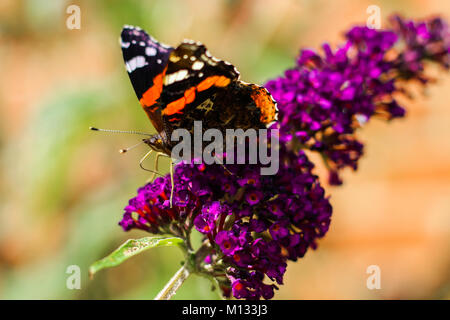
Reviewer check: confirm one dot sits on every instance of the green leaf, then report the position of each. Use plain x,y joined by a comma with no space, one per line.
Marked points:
130,248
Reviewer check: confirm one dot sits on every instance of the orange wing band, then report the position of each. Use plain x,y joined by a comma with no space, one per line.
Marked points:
265,103
154,92
218,81
189,96
175,106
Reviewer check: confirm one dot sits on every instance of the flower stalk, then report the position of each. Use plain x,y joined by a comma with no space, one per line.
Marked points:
174,283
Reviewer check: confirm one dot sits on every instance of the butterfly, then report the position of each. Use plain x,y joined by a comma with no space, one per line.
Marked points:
177,86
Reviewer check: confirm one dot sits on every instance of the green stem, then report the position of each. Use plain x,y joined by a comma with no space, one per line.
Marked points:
193,261
174,284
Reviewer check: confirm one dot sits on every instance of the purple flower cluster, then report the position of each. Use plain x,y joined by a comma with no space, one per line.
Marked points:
266,221
253,224
421,41
326,97
150,210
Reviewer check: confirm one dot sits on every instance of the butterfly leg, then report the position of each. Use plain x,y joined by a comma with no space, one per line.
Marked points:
221,163
156,168
171,174
142,166
158,154
171,181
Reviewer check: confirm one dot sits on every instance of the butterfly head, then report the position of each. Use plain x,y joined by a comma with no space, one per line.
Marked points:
157,143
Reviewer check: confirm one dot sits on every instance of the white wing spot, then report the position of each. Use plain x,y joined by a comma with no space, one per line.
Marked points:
167,79
136,62
182,74
158,61
176,76
209,60
198,65
150,51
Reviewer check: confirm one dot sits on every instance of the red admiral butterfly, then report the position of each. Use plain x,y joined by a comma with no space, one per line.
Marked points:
177,86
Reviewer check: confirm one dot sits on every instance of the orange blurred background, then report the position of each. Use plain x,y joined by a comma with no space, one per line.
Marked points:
63,188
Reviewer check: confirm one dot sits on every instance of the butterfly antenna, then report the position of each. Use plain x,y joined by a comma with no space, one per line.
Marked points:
132,147
120,131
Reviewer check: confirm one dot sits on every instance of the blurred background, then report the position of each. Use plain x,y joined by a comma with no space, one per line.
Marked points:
63,188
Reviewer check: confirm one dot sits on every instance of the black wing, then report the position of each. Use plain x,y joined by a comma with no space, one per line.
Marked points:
146,62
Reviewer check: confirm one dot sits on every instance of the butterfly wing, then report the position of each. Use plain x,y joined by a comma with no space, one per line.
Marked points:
264,102
199,87
179,86
193,76
146,63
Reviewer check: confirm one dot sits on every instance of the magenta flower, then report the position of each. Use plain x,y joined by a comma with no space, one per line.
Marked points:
326,97
246,241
